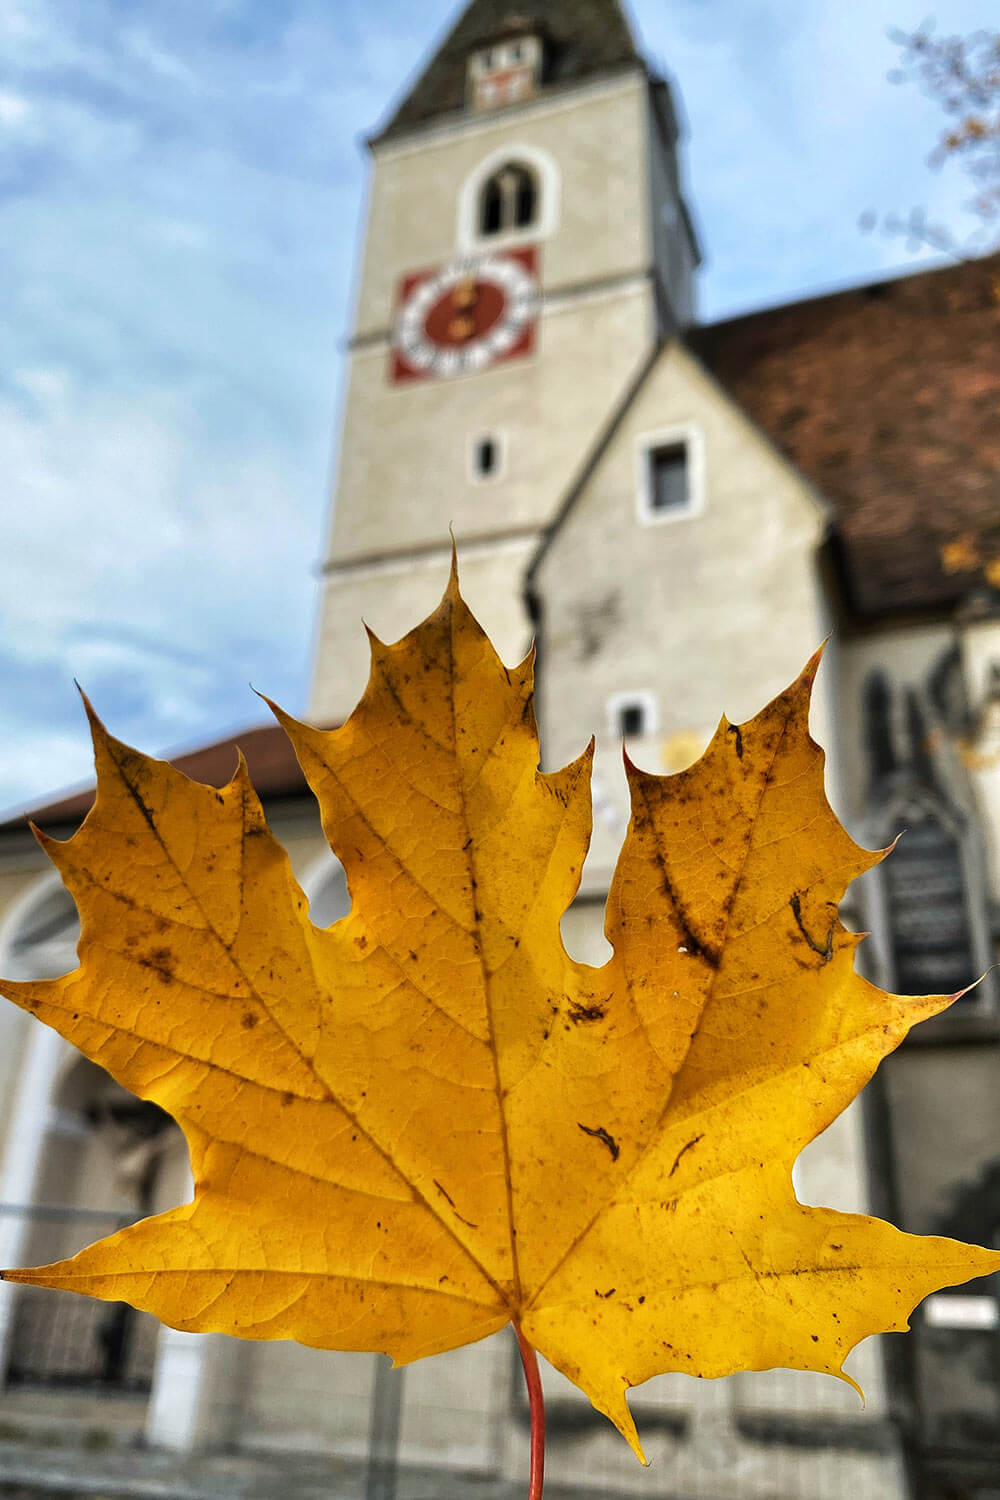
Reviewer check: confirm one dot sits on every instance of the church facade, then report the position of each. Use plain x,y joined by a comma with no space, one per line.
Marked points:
677,514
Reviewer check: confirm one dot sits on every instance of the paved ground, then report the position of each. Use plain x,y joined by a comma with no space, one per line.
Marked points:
75,1446
29,1473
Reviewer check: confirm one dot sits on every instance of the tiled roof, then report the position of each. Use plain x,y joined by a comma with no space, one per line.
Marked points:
271,761
887,398
583,38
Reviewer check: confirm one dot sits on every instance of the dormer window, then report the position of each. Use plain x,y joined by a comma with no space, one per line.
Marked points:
508,200
505,73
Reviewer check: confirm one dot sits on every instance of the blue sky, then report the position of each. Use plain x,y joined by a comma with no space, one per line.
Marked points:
180,188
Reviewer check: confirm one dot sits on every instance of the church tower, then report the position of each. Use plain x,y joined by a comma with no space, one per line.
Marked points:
527,245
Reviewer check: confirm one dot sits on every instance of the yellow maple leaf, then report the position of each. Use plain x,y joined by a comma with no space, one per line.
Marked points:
427,1121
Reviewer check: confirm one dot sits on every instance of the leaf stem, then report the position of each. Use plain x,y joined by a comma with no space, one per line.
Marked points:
536,1405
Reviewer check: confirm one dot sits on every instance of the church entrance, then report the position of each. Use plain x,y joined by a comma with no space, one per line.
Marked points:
98,1172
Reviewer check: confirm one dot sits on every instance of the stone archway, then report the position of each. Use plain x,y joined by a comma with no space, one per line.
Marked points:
82,1156
98,1168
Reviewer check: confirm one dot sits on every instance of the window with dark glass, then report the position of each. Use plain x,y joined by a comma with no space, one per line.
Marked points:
932,942
631,720
491,208
486,457
669,480
524,199
508,200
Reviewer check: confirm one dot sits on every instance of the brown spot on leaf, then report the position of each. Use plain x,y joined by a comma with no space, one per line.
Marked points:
600,1134
445,1194
826,951
682,1152
161,961
578,1013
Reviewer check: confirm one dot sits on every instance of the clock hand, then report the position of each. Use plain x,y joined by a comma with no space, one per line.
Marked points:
464,299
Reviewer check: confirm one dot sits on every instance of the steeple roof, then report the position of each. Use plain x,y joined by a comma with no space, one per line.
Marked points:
584,38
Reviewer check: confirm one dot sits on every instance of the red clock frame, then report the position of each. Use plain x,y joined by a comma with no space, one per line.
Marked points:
477,311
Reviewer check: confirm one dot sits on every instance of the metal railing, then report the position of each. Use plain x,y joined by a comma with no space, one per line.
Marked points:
59,1338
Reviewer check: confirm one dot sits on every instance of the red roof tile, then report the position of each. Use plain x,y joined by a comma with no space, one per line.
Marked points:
274,771
887,398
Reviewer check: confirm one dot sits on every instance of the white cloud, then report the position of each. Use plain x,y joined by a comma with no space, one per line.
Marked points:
46,386
40,766
794,132
13,108
177,232
160,60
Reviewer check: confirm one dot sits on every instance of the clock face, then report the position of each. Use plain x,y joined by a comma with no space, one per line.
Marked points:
472,313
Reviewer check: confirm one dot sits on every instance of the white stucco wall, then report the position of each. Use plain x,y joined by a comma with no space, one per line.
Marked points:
595,135
709,613
393,597
404,472
404,475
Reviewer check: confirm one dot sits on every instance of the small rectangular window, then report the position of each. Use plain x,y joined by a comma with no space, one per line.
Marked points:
485,457
670,474
632,714
669,479
631,720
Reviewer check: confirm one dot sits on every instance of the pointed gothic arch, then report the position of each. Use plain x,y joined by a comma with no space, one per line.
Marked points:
929,900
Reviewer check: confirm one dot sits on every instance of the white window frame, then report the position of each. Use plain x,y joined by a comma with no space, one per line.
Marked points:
548,184
691,437
646,699
499,438
961,1310
502,55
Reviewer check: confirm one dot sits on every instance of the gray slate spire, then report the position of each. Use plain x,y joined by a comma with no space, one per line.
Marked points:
584,38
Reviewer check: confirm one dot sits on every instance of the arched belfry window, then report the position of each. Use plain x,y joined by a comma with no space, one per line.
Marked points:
508,200
512,191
